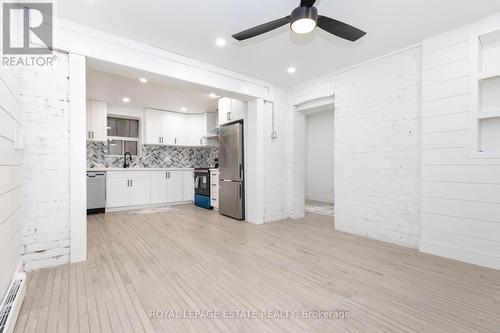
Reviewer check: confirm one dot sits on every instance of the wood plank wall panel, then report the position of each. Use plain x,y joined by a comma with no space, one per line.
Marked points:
10,221
460,195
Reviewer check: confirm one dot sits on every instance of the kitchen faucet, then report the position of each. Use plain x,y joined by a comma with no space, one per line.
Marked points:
125,164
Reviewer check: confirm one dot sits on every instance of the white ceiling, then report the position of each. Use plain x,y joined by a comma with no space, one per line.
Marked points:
190,28
112,88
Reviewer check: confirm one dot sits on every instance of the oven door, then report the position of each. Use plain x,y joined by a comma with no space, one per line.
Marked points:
202,183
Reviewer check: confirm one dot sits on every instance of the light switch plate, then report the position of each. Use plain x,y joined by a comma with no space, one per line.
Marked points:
274,135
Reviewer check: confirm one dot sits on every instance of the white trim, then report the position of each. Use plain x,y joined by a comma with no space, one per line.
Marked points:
78,147
93,43
319,102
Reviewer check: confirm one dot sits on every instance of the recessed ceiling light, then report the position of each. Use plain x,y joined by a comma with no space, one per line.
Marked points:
184,109
126,100
143,80
221,42
212,95
291,70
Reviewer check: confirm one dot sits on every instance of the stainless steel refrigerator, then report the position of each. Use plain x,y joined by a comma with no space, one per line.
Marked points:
231,166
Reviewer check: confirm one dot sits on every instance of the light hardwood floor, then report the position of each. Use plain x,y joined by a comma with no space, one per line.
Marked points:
197,259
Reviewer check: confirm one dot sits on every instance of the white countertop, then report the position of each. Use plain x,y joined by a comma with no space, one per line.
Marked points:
138,169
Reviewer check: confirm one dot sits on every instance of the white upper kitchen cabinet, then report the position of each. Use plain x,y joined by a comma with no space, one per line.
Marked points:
231,109
196,129
153,127
164,128
175,128
96,121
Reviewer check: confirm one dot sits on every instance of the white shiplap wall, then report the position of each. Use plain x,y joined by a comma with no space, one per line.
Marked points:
10,222
460,195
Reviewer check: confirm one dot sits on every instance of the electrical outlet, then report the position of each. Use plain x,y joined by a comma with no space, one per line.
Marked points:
274,135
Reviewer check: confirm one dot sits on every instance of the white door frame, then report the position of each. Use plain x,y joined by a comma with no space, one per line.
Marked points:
78,153
298,177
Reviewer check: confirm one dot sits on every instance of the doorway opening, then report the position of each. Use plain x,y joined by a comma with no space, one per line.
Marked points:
320,160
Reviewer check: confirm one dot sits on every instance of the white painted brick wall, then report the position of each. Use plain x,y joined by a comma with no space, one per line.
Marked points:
377,149
276,164
377,154
45,169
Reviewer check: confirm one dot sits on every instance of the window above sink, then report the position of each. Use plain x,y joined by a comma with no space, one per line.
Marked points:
123,136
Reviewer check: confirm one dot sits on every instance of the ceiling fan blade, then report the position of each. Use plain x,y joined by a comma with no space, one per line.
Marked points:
307,3
340,29
261,29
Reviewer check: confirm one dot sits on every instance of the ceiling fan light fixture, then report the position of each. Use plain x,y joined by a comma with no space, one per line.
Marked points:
303,26
304,19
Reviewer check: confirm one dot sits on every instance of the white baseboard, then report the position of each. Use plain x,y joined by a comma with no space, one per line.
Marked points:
129,208
461,254
319,198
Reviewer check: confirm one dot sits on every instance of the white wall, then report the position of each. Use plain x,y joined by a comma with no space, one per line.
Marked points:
460,194
320,131
377,147
254,162
277,163
46,164
10,184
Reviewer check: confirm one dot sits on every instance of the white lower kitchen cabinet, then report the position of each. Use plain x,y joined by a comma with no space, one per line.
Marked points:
188,185
128,188
117,192
159,183
141,188
140,191
175,186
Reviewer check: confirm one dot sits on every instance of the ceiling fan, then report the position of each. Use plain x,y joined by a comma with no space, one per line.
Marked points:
302,20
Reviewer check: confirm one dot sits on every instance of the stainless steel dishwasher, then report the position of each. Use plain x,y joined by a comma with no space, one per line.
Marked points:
96,192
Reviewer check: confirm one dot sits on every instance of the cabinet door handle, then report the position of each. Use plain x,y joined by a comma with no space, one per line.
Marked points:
200,141
131,183
92,134
166,175
175,140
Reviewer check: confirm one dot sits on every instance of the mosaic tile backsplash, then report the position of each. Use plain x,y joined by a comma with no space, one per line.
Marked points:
154,157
